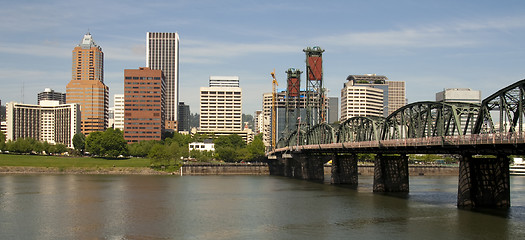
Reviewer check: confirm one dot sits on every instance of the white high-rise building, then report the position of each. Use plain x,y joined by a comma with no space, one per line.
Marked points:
360,101
466,95
162,52
360,96
221,105
259,121
118,112
50,121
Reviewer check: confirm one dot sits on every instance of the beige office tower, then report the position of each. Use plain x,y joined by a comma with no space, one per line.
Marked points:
396,95
361,101
162,53
87,86
371,95
221,105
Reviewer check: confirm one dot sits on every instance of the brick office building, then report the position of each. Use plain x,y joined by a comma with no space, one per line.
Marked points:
144,104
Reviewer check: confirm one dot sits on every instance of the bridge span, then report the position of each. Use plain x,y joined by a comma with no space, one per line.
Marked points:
485,136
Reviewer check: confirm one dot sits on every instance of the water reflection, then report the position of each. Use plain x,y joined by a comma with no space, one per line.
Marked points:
241,207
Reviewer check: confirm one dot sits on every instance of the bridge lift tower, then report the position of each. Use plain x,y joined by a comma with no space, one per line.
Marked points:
293,100
315,96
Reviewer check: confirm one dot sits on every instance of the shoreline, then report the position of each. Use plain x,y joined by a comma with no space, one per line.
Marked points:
205,169
81,170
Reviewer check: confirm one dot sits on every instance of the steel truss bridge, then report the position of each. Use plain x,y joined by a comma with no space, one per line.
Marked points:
484,135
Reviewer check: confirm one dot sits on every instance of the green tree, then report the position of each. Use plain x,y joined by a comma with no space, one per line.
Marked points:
57,148
159,156
165,156
94,143
79,142
201,156
141,149
227,154
110,143
114,143
2,141
21,145
232,140
256,148
228,148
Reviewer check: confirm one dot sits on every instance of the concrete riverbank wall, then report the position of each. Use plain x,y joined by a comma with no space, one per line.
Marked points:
225,169
262,169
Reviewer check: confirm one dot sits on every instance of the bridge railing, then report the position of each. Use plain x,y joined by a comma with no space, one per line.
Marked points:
491,138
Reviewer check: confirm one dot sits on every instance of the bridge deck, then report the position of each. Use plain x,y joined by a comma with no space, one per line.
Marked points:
474,144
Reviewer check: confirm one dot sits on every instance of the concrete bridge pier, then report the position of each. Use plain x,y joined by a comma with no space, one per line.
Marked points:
391,173
484,182
276,166
308,166
344,169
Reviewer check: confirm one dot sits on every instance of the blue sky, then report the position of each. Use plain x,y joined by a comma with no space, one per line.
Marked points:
431,45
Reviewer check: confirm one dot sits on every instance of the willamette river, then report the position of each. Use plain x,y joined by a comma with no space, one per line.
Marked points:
242,207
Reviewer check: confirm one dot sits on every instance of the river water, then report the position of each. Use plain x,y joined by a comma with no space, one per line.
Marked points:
242,207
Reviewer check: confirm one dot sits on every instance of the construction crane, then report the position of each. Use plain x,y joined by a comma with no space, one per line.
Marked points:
274,109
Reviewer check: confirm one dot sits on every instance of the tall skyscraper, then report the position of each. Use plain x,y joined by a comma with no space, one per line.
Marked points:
144,91
50,94
162,53
87,86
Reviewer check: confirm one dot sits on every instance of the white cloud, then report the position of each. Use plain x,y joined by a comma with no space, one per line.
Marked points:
447,35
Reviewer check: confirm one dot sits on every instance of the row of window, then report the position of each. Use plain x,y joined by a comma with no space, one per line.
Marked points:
142,110
142,78
143,119
146,92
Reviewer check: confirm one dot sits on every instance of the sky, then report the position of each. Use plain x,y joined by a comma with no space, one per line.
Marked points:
431,45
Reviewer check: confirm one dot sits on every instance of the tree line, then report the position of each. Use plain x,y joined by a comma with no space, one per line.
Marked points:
166,153
30,145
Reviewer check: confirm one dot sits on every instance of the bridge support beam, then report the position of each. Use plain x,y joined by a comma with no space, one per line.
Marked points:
344,169
484,182
391,173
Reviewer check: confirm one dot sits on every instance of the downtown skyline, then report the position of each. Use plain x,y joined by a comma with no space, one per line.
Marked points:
429,45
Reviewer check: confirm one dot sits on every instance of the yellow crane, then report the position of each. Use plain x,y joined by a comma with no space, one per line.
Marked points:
274,109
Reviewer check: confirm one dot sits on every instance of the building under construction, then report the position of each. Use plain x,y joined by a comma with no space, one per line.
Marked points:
287,119
287,111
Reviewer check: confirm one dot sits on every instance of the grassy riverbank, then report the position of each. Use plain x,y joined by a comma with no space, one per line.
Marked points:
10,163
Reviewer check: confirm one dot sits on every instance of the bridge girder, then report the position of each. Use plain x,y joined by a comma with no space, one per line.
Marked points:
321,133
358,129
296,138
430,119
503,111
